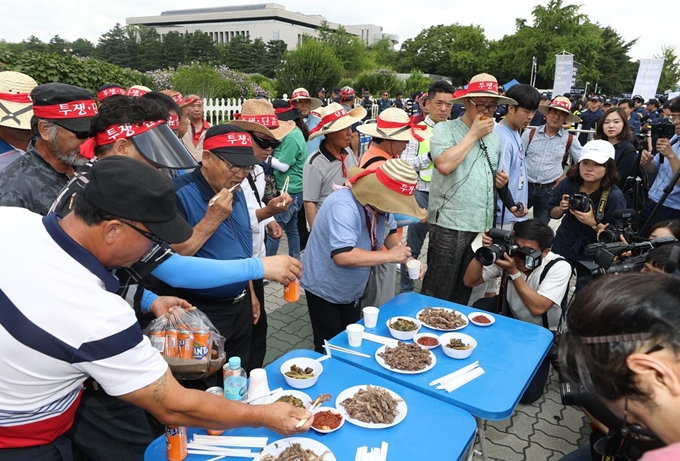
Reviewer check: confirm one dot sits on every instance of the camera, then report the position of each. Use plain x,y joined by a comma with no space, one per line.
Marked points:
627,229
580,202
662,130
532,258
503,242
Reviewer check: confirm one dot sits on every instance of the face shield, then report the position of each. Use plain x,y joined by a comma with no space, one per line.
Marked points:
161,148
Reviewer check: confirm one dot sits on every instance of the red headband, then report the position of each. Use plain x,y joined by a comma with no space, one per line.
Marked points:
73,109
484,87
403,188
178,98
385,124
136,92
329,118
562,104
269,121
173,122
283,110
22,98
111,91
227,140
113,133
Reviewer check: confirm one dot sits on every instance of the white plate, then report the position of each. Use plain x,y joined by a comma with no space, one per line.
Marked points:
382,363
444,329
276,448
332,410
306,400
491,318
349,393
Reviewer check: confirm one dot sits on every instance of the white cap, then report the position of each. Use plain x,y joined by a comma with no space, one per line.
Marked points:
599,151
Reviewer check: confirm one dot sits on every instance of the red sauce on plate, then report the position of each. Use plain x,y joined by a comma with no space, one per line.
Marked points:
427,341
480,319
327,420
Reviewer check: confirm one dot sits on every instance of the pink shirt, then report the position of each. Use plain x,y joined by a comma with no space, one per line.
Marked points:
669,453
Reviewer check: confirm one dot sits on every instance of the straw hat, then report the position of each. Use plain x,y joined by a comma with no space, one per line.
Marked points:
481,86
395,124
258,115
138,90
179,98
563,105
334,118
301,93
16,111
388,188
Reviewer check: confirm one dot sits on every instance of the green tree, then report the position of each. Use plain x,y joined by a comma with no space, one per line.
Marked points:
378,80
238,53
311,64
382,53
33,43
618,71
116,47
670,75
58,45
348,48
276,49
200,79
174,49
83,48
467,52
417,82
200,48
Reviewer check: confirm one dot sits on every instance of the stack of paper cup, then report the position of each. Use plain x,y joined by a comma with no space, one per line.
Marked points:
258,385
355,334
413,266
371,316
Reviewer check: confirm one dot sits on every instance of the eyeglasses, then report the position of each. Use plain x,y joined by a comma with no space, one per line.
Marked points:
674,118
265,143
146,234
483,107
235,168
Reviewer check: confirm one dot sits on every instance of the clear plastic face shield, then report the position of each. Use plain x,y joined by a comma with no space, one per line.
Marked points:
162,149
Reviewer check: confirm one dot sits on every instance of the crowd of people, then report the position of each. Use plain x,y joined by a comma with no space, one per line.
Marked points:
129,203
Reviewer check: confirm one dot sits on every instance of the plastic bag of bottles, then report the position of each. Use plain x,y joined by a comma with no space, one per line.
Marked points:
188,341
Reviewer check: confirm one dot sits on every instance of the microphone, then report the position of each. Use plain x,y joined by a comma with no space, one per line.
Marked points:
625,213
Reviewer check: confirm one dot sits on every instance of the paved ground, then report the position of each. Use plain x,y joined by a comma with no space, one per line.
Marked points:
543,431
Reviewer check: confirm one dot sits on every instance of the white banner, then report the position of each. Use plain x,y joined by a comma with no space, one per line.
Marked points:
648,78
564,64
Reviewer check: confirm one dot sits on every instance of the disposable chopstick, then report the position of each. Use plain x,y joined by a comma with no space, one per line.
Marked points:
236,453
347,351
284,189
231,440
264,395
216,197
466,378
314,406
383,451
361,452
452,375
380,339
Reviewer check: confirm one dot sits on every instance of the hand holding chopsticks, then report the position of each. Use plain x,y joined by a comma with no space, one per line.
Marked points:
319,400
217,196
284,189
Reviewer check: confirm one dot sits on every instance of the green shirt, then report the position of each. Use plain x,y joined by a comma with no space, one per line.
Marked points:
463,200
293,152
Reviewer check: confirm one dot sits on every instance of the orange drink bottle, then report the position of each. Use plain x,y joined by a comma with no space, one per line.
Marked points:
171,337
185,344
201,349
291,292
176,438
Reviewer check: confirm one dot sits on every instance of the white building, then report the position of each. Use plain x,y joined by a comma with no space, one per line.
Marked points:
268,21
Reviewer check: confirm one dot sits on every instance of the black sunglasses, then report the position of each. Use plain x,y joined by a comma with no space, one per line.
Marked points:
78,134
265,143
146,234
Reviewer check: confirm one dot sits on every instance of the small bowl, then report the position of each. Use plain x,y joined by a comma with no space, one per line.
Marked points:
302,362
426,335
455,353
306,400
403,335
490,317
332,410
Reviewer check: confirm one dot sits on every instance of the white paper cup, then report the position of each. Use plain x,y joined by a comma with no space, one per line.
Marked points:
355,334
413,266
371,316
257,384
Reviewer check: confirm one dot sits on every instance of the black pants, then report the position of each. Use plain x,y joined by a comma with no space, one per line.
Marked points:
59,450
329,319
448,256
235,323
303,232
258,339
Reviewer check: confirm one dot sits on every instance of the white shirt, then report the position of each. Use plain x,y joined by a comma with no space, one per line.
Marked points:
259,228
553,287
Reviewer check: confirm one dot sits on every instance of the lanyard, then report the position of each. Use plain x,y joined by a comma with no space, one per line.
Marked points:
372,226
515,137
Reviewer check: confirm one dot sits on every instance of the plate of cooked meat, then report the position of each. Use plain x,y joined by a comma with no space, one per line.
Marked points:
442,319
371,407
296,448
407,358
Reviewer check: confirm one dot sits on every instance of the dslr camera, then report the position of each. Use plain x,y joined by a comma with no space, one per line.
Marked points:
662,130
626,229
503,242
580,202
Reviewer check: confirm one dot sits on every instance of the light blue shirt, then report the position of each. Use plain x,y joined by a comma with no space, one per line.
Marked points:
313,144
544,154
663,177
513,161
339,226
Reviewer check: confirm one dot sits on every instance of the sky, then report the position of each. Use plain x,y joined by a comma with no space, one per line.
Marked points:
72,19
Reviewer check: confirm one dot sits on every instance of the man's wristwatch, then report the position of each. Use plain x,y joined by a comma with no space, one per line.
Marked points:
515,276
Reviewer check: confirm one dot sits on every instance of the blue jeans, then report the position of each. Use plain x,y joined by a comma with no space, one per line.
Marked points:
414,239
539,199
288,221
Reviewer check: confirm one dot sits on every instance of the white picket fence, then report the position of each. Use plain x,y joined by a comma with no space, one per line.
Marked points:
221,110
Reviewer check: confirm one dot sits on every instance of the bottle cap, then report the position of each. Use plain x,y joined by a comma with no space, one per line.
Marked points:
234,362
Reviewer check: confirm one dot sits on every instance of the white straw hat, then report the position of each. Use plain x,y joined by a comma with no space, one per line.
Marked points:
481,86
334,118
16,107
258,115
301,93
563,105
395,124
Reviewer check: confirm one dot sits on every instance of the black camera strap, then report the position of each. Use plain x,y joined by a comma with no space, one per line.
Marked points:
563,304
599,212
493,178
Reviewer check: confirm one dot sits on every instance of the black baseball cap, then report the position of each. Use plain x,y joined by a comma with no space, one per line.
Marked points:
130,189
653,101
230,143
336,90
637,96
321,90
69,106
545,96
284,111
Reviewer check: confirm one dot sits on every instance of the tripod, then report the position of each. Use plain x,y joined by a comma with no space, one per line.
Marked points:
637,184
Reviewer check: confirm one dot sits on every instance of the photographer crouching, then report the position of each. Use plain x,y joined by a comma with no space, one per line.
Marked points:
536,285
623,347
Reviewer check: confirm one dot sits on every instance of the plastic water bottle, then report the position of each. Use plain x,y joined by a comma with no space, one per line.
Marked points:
235,379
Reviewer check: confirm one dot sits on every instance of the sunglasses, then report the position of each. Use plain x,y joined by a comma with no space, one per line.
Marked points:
78,134
146,234
265,143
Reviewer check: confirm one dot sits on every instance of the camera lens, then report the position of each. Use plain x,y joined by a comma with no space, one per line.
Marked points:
569,393
488,255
